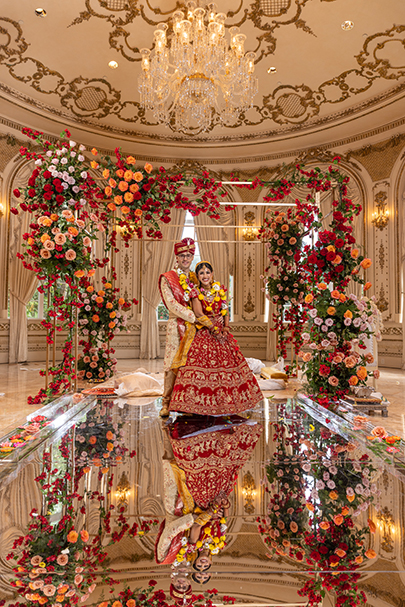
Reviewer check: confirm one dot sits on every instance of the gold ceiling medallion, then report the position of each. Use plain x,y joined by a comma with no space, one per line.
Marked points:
195,74
381,217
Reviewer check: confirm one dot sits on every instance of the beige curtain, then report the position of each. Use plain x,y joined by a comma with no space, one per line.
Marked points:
271,342
157,258
221,253
22,285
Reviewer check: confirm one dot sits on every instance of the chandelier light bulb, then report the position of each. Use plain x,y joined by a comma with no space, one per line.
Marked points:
113,65
194,72
40,12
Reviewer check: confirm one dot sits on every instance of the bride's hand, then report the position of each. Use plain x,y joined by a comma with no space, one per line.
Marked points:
226,330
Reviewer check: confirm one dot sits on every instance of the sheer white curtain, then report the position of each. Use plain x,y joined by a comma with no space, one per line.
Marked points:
157,258
221,253
22,284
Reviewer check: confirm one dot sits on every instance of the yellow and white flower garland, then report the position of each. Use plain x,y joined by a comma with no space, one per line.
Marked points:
208,542
185,283
217,294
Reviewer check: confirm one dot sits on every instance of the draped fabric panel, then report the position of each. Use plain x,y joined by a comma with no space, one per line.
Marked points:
271,341
22,283
221,253
158,258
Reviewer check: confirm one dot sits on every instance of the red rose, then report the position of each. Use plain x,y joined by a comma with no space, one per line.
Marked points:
47,187
31,192
48,195
17,193
46,174
152,582
14,211
60,198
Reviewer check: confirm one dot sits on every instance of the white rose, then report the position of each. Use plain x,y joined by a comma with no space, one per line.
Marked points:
80,158
72,144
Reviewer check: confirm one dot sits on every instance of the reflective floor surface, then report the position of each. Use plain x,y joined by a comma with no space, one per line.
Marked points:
286,505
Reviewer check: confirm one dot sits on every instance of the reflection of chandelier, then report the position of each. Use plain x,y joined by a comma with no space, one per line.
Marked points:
198,73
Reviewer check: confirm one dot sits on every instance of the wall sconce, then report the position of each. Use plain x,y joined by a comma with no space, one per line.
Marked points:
123,491
380,218
386,526
249,233
249,492
1,209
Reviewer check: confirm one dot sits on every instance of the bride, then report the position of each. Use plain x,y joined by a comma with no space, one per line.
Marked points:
213,378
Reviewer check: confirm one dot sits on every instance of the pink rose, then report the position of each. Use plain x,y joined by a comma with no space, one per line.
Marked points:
70,255
60,239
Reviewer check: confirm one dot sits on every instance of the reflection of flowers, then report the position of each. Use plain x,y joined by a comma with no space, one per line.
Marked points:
99,439
23,435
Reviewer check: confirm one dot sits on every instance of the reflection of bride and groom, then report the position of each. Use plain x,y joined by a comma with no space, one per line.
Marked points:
204,375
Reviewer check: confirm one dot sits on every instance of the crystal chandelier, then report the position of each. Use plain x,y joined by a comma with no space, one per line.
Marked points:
193,73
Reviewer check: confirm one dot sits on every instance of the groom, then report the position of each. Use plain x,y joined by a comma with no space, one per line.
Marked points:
175,300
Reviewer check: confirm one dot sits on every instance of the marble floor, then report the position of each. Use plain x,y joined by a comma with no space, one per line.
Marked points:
22,380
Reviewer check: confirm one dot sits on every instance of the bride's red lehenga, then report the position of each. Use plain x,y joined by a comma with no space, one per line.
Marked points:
216,379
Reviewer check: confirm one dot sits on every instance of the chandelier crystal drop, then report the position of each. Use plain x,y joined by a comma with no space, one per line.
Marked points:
193,74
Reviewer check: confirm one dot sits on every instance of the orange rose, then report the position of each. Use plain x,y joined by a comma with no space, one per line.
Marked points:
72,230
60,598
341,553
348,314
30,241
72,537
109,305
372,525
333,495
331,310
128,175
130,603
379,432
148,167
109,435
335,294
338,519
91,272
121,301
110,447
325,525
138,212
96,462
90,289
358,559
99,300
54,217
117,604
310,506
342,298
119,173
123,186
125,210
80,273
362,373
107,285
108,191
337,260
351,497
92,440
101,293
45,237
113,315
111,325
112,182
111,206
391,440
118,199
86,469
309,298
344,511
94,152
94,164
370,554
353,381
130,160
106,173
103,604
354,253
366,263
322,286
134,188
367,286
84,535
128,197
331,248
138,176
95,318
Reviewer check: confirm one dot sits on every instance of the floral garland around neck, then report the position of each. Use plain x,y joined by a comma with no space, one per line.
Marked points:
212,543
187,283
216,293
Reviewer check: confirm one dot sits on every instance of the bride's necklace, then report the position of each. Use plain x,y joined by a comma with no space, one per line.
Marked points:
215,293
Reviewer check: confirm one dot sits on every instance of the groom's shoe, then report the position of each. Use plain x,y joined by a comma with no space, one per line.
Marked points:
164,412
